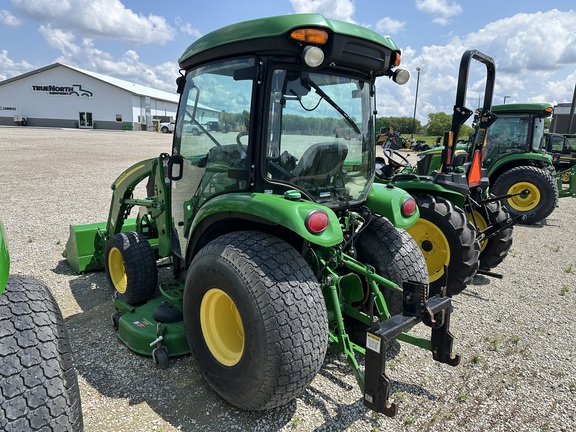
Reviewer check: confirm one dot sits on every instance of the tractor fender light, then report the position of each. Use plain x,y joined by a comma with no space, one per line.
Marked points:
408,207
316,221
310,35
313,56
401,76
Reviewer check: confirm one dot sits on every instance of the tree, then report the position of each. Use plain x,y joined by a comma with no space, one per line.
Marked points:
402,125
465,132
438,123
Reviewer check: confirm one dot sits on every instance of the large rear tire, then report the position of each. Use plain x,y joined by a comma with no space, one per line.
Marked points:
447,240
394,255
494,249
131,269
255,319
38,381
539,203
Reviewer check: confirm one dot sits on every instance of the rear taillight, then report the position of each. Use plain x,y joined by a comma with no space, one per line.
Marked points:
408,207
316,221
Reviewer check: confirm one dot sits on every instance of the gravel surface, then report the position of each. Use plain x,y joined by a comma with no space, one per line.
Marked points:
515,335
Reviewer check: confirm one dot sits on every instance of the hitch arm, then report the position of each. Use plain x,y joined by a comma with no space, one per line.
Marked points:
434,312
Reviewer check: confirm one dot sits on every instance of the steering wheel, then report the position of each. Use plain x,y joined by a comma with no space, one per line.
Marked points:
390,156
241,146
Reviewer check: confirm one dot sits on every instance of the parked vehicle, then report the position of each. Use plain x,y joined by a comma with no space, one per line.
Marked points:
462,230
167,127
518,167
279,240
38,382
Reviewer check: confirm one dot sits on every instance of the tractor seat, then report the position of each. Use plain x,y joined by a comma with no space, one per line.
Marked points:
459,159
319,163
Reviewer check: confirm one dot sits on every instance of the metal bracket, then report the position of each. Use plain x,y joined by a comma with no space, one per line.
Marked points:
434,312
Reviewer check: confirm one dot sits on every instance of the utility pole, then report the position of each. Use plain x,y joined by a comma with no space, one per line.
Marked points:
415,102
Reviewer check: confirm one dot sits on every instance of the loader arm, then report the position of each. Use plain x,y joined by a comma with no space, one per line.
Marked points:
157,202
85,246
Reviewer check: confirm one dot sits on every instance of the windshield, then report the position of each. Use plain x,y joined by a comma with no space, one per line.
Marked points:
321,136
508,134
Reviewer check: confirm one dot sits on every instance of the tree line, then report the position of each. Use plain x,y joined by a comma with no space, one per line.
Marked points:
438,123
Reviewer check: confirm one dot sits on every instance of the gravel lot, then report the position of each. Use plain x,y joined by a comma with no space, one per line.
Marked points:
515,335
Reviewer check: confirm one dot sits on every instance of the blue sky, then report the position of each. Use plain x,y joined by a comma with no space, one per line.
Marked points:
532,42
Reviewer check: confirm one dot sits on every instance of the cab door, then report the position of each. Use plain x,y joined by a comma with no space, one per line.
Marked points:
210,158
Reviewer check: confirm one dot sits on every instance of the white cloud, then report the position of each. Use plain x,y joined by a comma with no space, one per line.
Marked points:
10,67
83,54
103,19
187,28
389,26
443,9
8,19
543,41
535,57
336,9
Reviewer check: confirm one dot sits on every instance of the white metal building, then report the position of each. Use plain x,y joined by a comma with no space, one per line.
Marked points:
64,96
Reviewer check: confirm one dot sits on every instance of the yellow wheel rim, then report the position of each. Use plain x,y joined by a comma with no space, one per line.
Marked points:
116,270
523,202
222,327
434,246
481,224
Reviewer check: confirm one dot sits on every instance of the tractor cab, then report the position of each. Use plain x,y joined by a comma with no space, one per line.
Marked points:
519,130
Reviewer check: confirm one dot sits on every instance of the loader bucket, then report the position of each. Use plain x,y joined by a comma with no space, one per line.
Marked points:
85,246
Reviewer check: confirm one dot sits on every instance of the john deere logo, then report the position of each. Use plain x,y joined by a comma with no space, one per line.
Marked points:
75,89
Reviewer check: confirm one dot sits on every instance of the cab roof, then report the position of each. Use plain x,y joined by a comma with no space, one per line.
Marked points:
529,108
271,36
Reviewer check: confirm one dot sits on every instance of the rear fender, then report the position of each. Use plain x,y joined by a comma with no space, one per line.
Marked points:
387,201
426,185
517,159
277,210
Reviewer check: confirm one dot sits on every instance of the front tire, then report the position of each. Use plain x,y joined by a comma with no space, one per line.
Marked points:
494,249
38,381
255,319
539,203
394,255
130,265
447,240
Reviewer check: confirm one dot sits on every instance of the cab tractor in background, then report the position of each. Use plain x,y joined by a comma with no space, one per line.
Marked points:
520,171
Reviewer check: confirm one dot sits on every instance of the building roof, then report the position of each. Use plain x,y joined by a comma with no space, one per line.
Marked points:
124,85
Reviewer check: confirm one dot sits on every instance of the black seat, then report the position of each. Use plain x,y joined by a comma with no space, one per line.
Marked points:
320,163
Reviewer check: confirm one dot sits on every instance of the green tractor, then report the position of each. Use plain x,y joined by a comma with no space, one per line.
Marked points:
562,148
519,169
462,229
279,240
38,382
